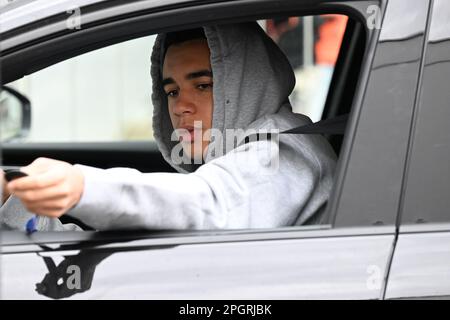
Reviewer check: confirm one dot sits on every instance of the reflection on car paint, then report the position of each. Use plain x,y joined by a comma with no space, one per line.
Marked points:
73,275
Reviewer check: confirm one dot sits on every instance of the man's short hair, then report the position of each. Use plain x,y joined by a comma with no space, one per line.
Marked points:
178,37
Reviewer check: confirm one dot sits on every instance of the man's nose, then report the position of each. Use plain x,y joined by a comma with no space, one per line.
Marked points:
184,104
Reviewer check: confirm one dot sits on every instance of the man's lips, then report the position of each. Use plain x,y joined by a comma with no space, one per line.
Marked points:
187,133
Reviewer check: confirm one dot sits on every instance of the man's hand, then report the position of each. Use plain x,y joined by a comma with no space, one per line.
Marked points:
51,188
5,191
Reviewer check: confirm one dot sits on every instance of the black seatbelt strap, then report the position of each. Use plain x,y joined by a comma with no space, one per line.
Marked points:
335,125
328,126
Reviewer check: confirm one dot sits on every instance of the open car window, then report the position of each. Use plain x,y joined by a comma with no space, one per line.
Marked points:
105,95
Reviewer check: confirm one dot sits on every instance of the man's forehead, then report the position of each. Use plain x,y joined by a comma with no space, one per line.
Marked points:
189,75
186,71
186,58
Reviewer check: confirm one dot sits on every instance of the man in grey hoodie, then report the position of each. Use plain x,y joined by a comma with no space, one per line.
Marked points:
225,77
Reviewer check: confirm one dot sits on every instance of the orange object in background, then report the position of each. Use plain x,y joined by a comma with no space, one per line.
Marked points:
276,29
330,39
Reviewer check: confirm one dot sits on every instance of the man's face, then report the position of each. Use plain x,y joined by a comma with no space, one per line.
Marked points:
188,84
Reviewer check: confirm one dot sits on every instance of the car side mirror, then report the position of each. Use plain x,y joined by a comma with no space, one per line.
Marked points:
15,115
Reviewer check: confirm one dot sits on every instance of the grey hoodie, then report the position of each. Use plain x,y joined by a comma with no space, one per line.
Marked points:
238,189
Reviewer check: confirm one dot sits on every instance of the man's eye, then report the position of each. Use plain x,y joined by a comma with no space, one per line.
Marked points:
172,93
204,86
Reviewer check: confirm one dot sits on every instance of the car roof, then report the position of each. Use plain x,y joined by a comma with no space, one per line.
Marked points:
18,13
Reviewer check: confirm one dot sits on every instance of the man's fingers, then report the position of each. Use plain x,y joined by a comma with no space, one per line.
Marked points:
37,195
49,211
51,188
53,204
38,166
3,183
37,181
51,208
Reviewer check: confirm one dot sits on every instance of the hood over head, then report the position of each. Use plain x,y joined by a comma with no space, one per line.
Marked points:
251,78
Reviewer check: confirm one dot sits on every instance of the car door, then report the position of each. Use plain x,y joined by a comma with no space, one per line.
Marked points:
348,258
421,263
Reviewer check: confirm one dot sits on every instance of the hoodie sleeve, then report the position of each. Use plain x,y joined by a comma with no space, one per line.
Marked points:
14,216
253,186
